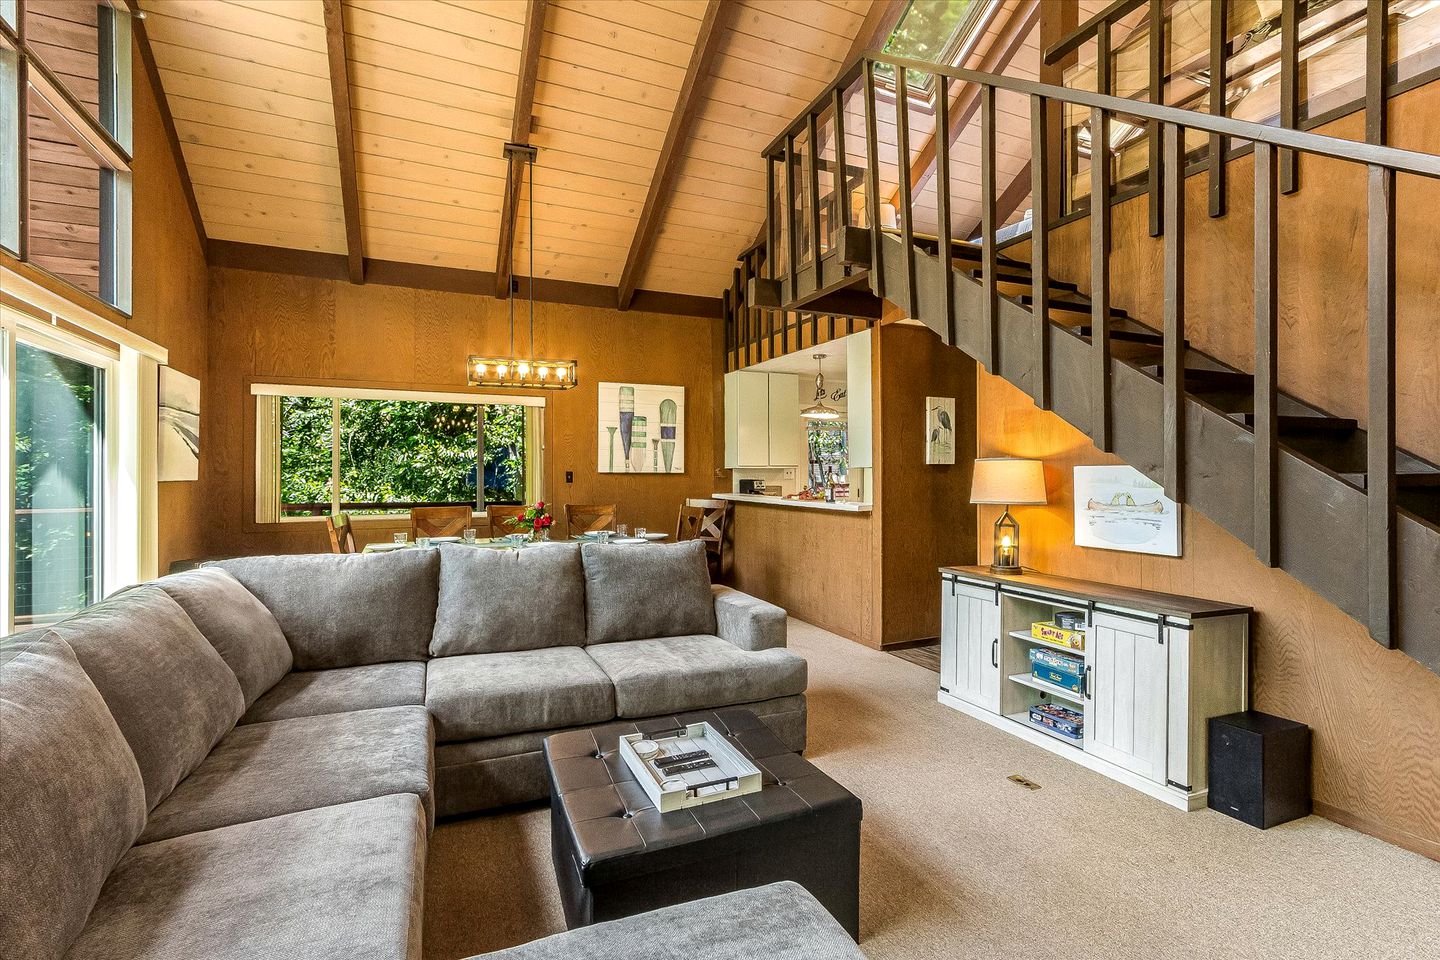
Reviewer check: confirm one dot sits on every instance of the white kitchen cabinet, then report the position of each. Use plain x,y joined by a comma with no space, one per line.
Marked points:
1150,672
754,414
1127,693
970,643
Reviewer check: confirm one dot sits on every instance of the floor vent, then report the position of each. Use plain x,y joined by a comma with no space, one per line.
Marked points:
1025,782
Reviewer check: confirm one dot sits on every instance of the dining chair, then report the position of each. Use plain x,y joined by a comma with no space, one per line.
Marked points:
589,517
342,533
439,521
706,520
500,517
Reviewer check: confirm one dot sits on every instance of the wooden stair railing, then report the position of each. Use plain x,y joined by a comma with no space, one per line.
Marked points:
1283,475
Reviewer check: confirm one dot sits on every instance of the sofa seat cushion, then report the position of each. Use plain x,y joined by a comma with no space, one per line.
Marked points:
779,921
71,795
268,769
487,600
340,881
349,609
672,674
310,693
236,623
639,592
494,694
169,690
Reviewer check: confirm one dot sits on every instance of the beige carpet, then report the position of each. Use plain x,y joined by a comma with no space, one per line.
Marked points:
959,863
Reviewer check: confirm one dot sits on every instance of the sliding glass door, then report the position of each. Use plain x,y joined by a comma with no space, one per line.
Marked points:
56,400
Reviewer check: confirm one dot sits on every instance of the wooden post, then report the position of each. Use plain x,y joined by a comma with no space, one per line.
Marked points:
1219,145
812,198
791,252
907,212
1157,95
990,305
840,179
1100,277
1173,360
1380,428
1267,530
872,184
942,199
1377,69
1040,183
1289,90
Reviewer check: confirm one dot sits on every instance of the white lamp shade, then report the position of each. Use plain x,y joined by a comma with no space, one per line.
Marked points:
1008,480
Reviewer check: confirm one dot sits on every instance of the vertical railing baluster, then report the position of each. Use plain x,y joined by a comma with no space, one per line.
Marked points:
990,302
1173,360
1267,529
907,211
839,178
791,242
812,196
1380,425
872,185
942,198
772,251
1157,95
1100,277
1040,159
1219,145
1289,89
1377,69
729,324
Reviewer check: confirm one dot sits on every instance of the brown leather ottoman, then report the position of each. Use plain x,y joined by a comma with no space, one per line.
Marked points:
616,855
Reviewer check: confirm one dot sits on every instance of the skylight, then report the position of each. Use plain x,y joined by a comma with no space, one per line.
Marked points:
935,31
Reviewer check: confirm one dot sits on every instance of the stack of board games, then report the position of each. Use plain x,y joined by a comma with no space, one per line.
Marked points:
1061,669
1062,720
1067,631
689,766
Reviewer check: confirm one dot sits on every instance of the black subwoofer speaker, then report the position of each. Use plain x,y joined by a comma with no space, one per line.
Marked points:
1259,768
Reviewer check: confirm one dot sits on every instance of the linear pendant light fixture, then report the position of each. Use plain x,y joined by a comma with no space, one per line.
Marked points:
515,370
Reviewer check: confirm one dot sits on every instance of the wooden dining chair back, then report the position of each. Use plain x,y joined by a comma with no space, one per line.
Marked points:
439,521
589,517
342,533
706,520
500,517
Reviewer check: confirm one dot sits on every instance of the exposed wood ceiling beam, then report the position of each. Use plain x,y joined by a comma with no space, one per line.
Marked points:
963,108
344,137
519,133
667,168
162,103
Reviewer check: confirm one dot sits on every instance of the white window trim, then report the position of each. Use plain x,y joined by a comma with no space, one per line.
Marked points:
267,467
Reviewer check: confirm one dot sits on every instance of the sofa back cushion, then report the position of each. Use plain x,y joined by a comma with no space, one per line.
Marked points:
636,592
347,610
236,623
169,691
495,601
71,793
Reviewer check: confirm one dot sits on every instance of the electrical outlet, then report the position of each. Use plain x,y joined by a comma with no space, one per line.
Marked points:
789,474
569,476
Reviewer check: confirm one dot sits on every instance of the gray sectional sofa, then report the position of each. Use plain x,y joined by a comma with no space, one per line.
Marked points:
245,760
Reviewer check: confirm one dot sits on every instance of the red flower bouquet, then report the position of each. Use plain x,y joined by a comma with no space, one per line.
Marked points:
536,520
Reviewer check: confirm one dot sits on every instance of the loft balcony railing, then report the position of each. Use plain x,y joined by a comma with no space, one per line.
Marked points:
827,230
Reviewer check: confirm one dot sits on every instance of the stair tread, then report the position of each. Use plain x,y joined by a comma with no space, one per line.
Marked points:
1026,278
1081,305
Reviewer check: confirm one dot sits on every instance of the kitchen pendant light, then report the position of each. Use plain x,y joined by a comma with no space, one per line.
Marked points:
515,370
818,410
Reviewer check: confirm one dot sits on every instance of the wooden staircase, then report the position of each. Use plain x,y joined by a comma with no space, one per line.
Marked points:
1345,512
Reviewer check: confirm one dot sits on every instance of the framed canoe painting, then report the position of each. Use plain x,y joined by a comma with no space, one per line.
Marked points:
1119,508
642,428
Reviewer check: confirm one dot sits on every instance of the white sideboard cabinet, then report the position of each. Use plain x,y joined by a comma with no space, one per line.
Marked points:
1153,669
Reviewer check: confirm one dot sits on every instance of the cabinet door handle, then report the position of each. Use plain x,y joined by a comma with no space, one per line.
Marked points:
995,653
1088,690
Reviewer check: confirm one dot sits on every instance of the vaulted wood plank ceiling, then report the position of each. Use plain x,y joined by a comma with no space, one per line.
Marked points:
432,88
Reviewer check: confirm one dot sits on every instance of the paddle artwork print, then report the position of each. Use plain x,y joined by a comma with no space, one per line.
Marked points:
641,428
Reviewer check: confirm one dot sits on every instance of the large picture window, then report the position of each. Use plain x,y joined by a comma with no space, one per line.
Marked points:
384,453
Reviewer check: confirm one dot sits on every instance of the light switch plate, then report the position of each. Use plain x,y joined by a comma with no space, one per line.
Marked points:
789,474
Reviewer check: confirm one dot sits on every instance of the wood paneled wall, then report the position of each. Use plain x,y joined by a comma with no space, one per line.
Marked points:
920,517
268,327
168,302
1375,712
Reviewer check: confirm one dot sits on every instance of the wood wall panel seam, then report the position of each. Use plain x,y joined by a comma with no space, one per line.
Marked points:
672,152
335,49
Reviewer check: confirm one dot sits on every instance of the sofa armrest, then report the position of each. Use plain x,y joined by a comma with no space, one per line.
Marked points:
748,622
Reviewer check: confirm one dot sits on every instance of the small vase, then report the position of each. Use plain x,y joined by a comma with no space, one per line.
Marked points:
539,536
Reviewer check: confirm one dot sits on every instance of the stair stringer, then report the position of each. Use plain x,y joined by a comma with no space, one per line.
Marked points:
1322,518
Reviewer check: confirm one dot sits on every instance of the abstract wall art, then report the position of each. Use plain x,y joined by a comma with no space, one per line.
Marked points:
939,430
179,455
1119,508
642,428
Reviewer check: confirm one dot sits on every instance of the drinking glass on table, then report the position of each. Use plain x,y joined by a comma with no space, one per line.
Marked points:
603,536
468,534
620,529
400,538
422,542
640,532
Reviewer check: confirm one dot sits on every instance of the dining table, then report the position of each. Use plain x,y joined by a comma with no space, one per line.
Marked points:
504,543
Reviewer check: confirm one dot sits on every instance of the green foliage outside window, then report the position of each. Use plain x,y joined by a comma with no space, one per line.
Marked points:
394,453
924,32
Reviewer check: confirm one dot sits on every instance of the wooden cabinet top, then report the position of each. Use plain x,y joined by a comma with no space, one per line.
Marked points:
1168,604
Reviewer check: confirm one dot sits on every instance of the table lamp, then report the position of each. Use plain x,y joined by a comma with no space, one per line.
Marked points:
1008,481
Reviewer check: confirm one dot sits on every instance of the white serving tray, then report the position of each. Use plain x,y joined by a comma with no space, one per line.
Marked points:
730,774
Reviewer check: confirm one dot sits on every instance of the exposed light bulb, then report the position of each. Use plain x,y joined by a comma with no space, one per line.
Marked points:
544,372
501,369
523,369
479,369
1005,540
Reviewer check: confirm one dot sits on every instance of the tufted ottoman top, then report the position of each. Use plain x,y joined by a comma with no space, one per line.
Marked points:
613,831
